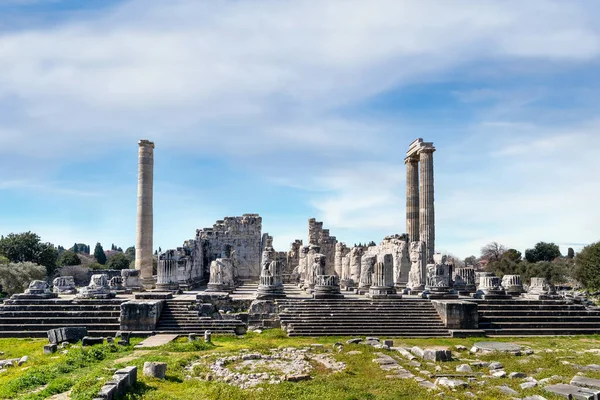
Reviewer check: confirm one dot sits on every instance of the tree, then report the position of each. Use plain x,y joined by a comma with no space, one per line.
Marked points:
587,266
4,260
492,251
99,254
75,248
68,257
118,261
130,252
570,253
27,247
512,255
542,251
471,260
119,249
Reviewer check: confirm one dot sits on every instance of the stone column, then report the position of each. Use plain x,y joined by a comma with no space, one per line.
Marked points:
412,198
426,199
145,224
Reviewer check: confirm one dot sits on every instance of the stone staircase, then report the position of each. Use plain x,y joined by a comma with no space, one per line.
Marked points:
180,316
352,317
33,318
536,317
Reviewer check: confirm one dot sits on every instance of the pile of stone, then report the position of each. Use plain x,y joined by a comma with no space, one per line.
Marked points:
13,362
247,370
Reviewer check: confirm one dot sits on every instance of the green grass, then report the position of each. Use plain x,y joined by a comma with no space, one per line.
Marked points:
84,370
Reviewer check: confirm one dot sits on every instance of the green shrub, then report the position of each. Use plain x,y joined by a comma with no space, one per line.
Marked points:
15,277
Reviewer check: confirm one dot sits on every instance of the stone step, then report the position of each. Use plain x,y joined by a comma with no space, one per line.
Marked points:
56,320
538,318
63,314
82,308
373,332
199,331
46,327
544,313
573,307
44,333
540,324
51,302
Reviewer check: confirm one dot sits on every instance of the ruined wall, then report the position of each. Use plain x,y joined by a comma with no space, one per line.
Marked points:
397,246
293,257
239,238
320,237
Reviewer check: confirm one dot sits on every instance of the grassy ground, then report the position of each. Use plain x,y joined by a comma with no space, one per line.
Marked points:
83,370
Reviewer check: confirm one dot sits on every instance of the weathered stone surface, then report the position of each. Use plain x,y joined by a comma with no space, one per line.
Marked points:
416,276
36,290
50,348
155,369
64,285
367,265
464,368
451,383
222,275
356,254
517,375
495,365
573,392
507,391
499,373
91,341
140,315
67,334
97,289
457,314
586,382
490,347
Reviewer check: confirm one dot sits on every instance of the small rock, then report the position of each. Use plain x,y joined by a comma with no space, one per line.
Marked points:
451,383
480,364
460,347
371,338
388,343
528,385
427,385
297,377
354,352
495,365
354,341
50,348
464,368
499,374
507,391
517,375
155,369
534,397
528,352
23,360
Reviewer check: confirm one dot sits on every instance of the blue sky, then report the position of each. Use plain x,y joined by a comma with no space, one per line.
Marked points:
301,109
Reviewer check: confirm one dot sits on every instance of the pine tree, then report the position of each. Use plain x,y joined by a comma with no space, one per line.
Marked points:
75,248
99,254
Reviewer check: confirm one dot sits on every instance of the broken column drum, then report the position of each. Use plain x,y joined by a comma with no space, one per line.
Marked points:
222,276
367,265
512,284
145,224
356,254
490,287
464,280
326,286
271,285
166,278
97,289
64,285
540,289
382,282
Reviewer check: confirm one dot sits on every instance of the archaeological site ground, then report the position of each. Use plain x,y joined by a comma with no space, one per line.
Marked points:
226,316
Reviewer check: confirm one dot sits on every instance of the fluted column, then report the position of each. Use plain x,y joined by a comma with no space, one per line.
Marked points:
426,199
412,198
145,224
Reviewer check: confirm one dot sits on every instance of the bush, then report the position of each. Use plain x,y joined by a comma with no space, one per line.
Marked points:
79,273
587,266
15,277
68,257
118,261
96,265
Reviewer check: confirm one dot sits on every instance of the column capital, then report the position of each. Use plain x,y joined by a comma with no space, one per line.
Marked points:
411,160
146,143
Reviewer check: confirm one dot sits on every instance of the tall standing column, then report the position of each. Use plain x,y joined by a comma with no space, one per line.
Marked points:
412,198
145,224
426,210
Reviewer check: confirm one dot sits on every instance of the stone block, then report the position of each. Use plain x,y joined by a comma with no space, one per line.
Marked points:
573,392
389,343
153,296
417,351
583,381
50,348
22,360
131,373
437,355
457,314
91,341
155,369
108,391
67,334
140,315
